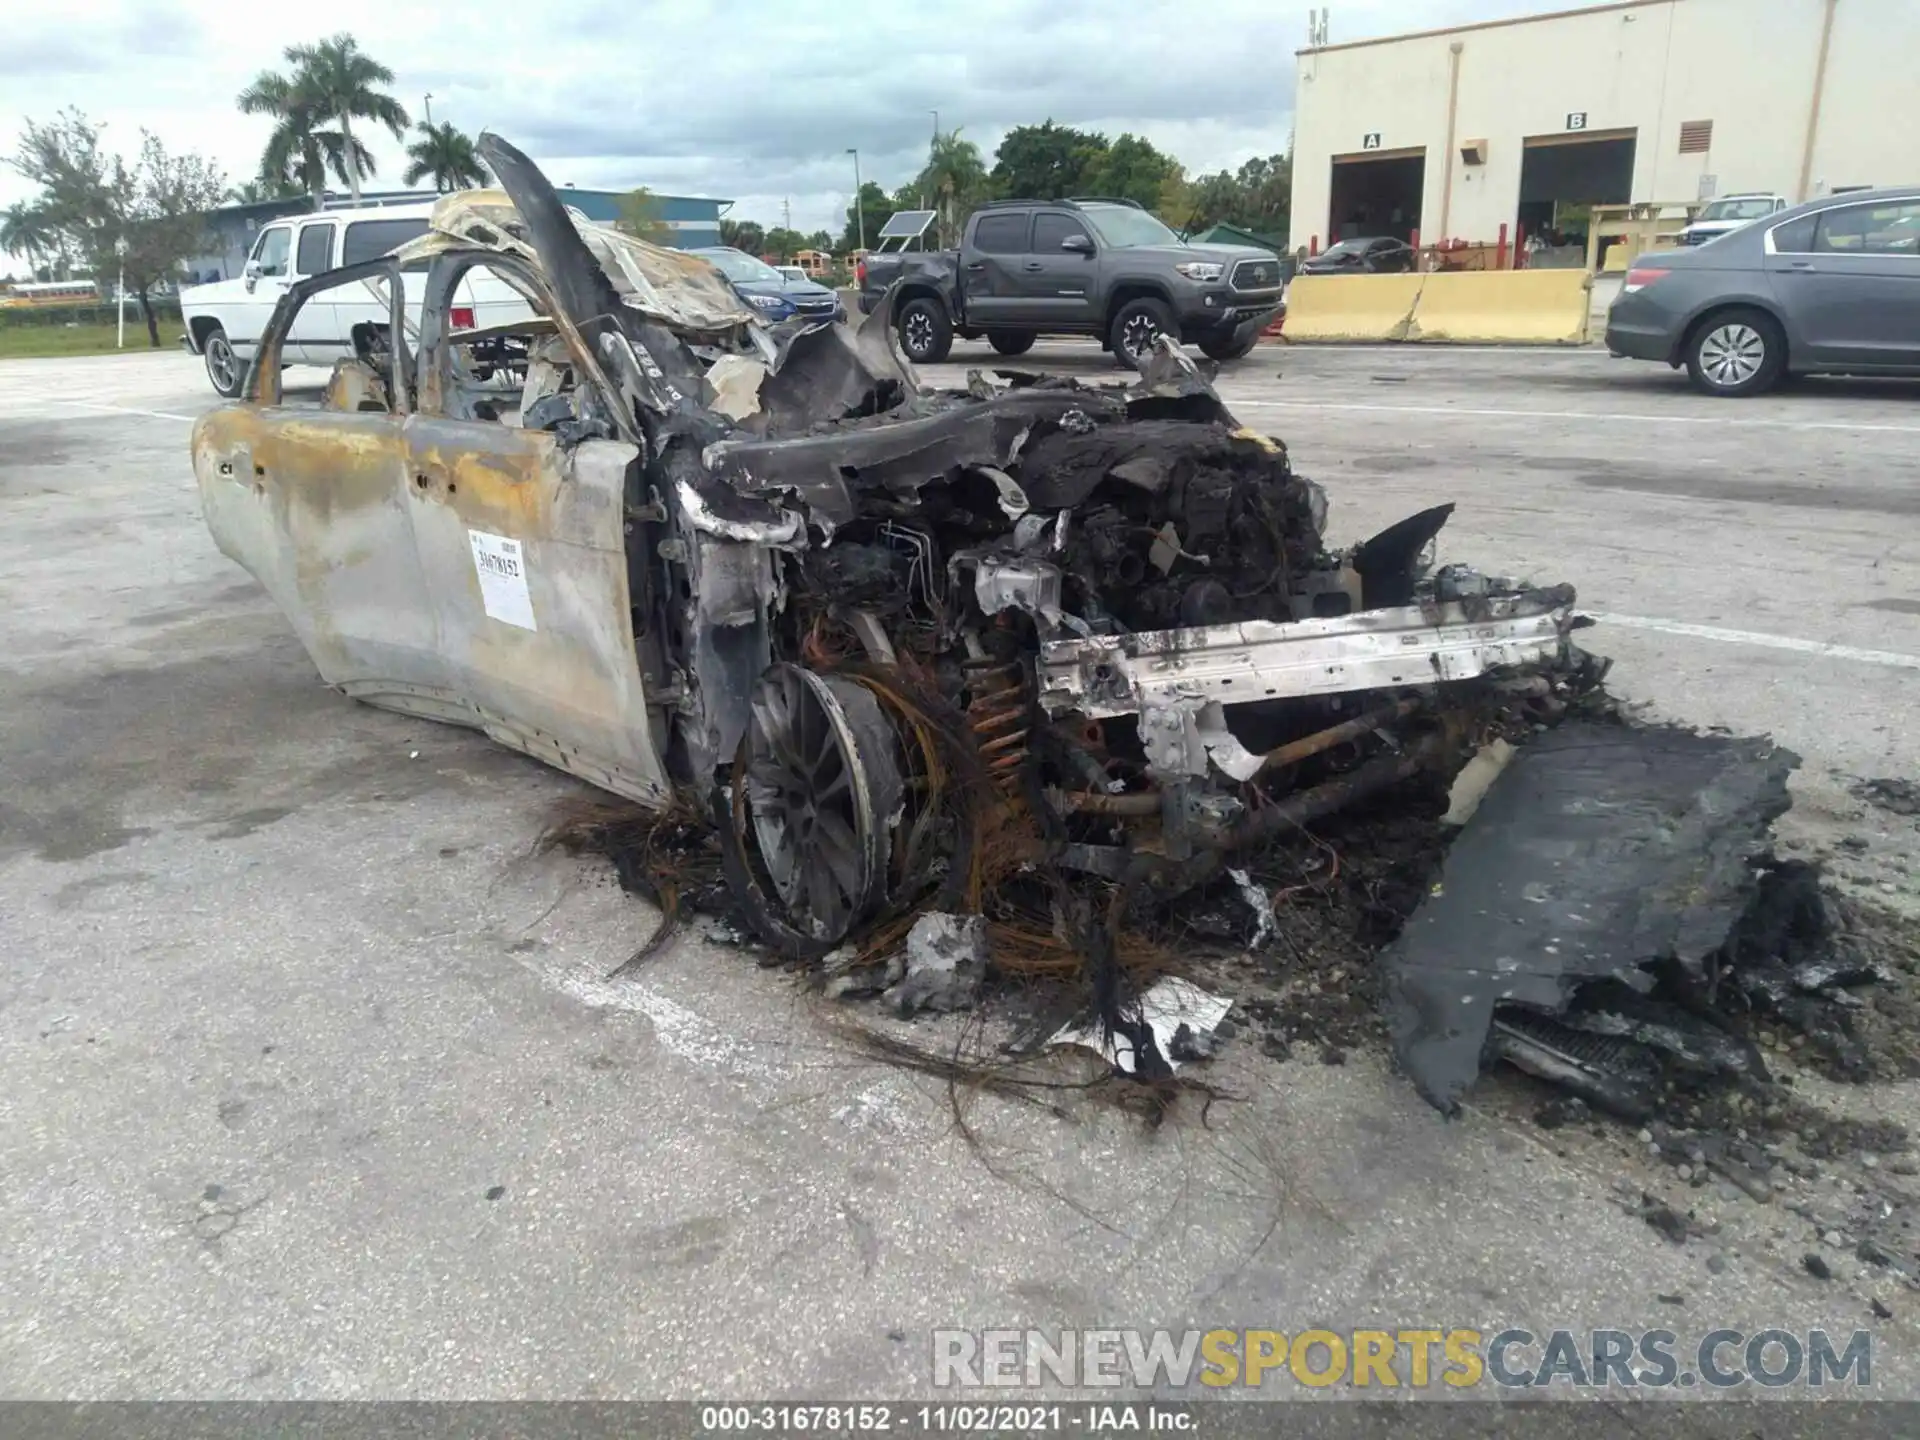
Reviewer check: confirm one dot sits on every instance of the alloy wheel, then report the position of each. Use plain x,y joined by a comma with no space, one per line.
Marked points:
1732,354
220,362
820,785
1138,335
919,332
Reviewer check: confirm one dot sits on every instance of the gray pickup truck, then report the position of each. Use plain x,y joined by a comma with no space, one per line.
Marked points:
1075,267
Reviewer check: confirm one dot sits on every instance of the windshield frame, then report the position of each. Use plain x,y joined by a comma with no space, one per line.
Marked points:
727,261
1121,227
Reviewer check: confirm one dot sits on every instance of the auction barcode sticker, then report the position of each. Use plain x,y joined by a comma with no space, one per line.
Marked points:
502,567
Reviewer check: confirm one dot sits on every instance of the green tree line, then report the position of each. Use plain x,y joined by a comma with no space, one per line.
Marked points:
103,214
1050,162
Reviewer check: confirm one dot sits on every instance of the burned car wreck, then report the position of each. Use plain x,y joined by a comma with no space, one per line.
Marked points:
1034,651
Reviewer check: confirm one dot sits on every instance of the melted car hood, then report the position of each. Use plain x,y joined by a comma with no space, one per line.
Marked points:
678,289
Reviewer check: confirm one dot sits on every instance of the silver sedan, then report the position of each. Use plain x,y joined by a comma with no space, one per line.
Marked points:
1829,287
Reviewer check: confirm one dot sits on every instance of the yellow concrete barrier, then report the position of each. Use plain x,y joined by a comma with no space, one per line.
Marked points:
1521,307
1351,307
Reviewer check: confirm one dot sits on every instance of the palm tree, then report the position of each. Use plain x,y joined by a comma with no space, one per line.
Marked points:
25,230
447,155
333,83
955,178
298,152
339,79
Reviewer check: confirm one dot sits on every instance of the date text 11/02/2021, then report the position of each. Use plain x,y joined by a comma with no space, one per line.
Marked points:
1095,1419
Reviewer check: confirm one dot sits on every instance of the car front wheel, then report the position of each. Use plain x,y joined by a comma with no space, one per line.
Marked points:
224,368
1736,352
1135,327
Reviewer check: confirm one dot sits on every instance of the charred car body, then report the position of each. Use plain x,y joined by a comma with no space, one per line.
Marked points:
901,645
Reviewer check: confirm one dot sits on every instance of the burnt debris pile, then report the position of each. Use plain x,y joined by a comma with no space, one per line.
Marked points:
1045,682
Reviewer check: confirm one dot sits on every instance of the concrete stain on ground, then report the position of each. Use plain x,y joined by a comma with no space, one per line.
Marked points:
73,894
690,1243
1718,485
1393,462
233,827
248,593
65,834
91,758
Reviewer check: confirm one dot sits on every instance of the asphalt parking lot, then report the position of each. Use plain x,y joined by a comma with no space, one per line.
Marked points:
316,1086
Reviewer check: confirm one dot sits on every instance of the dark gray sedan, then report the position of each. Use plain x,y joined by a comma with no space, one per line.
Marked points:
1380,255
1829,287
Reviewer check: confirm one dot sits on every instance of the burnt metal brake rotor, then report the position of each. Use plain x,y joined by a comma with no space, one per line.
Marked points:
816,789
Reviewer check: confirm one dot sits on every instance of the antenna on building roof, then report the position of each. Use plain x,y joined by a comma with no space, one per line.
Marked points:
1317,26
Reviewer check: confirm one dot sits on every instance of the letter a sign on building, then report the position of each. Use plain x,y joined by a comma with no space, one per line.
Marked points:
1370,140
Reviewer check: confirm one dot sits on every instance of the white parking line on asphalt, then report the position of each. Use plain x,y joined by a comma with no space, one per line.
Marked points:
686,1033
1610,416
1755,637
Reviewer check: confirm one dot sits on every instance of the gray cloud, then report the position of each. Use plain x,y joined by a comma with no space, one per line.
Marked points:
736,98
1008,64
52,44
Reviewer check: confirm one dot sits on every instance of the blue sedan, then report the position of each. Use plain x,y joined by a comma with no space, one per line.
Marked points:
768,291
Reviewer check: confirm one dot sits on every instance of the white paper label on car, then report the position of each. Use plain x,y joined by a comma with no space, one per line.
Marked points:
502,567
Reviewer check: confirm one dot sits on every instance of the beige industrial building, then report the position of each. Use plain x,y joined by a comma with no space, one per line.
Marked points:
1524,123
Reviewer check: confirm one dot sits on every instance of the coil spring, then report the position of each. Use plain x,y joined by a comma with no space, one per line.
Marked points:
997,712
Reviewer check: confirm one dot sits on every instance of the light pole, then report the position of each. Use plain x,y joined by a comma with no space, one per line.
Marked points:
932,146
428,98
120,295
859,200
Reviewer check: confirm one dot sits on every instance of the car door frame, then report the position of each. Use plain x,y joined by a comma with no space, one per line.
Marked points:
1061,285
261,293
991,280
311,499
546,660
320,341
1821,290
1373,259
352,312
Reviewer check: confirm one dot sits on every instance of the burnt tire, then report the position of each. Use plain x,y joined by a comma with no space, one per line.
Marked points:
926,334
1134,328
1229,349
1736,352
226,371
1010,342
805,835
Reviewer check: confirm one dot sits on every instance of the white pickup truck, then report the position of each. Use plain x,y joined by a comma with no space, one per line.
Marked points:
225,319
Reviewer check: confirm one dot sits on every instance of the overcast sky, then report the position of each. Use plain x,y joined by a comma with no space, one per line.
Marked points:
756,101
